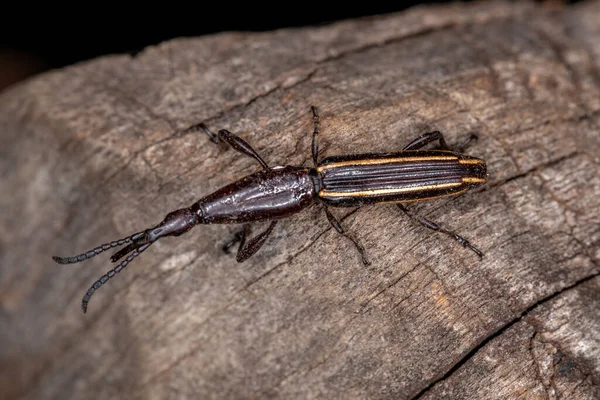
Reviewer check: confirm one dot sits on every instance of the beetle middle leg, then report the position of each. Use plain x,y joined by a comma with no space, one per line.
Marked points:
247,248
338,227
436,227
237,238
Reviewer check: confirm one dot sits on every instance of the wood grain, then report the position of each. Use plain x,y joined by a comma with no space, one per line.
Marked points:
97,151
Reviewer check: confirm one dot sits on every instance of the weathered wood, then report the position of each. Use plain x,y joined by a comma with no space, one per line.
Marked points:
550,353
96,151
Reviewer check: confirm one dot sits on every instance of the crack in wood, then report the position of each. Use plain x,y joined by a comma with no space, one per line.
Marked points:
536,365
581,365
499,331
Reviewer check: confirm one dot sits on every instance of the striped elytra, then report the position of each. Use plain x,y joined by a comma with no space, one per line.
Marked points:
359,179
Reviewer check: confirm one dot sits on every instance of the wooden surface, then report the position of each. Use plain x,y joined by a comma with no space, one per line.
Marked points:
97,151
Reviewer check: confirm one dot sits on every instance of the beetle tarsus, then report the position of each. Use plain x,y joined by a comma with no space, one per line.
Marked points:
225,137
429,137
202,127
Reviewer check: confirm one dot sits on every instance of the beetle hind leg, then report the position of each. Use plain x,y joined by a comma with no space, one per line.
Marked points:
472,138
429,137
436,227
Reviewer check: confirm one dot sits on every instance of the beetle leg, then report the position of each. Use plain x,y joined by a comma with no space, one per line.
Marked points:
435,227
427,138
202,127
315,143
247,249
237,237
236,142
241,146
338,227
472,137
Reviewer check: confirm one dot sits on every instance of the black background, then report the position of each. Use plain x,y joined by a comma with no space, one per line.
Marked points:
36,38
70,35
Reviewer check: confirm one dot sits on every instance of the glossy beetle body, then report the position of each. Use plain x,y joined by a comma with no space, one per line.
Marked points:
265,195
274,193
342,181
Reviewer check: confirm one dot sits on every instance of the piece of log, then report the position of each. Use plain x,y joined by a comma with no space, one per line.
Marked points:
97,151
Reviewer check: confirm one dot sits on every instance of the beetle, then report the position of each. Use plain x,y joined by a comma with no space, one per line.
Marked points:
273,193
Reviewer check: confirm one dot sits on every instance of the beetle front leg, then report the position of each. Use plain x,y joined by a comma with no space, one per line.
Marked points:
202,127
236,142
315,137
436,227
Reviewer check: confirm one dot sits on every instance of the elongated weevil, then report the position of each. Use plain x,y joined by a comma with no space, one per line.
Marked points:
274,193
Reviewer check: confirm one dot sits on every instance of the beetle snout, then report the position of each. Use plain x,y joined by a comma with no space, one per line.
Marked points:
175,223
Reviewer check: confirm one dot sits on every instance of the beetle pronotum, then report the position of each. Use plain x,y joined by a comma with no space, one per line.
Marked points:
274,193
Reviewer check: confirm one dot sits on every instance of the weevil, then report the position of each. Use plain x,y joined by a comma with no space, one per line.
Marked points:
274,193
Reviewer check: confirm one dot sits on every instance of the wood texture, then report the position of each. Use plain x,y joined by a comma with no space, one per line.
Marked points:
97,151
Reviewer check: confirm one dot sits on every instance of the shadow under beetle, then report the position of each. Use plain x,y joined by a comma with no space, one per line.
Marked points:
274,193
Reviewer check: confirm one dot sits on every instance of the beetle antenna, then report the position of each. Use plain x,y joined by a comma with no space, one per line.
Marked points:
104,278
94,252
176,223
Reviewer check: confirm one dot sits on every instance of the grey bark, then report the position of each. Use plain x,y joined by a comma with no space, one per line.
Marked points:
97,151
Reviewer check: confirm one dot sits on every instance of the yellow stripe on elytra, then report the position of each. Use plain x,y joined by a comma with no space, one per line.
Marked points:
473,180
470,161
376,192
387,161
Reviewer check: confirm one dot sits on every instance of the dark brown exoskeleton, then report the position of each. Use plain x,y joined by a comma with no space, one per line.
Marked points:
274,193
